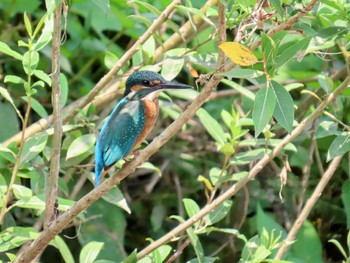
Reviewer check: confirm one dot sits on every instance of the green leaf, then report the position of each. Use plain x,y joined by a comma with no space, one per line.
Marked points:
212,126
284,111
191,207
151,167
289,53
308,245
4,48
132,258
33,202
8,116
149,47
326,37
106,224
11,257
30,61
214,174
40,23
27,24
339,246
66,254
264,106
264,142
63,204
325,82
229,231
21,43
163,252
155,11
104,5
197,12
172,67
148,6
110,59
339,146
293,86
158,255
203,260
90,252
14,79
278,7
345,196
243,73
195,243
267,222
269,50
13,237
244,91
157,217
32,147
46,33
37,107
7,96
243,158
64,89
5,149
218,213
116,197
22,192
81,145
264,220
43,76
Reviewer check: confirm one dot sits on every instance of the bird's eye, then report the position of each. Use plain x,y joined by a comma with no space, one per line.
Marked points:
145,83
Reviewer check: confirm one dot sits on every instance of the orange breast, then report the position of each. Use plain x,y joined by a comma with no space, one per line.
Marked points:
151,113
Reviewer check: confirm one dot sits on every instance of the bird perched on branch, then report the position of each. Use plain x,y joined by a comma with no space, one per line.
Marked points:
131,120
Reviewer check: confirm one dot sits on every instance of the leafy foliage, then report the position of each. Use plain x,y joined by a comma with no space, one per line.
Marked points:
273,88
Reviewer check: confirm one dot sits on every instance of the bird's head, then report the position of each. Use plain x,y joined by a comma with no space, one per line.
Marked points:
144,82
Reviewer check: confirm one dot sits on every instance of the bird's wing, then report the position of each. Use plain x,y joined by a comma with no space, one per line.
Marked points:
120,131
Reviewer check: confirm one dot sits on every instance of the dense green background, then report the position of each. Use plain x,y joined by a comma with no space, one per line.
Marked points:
219,140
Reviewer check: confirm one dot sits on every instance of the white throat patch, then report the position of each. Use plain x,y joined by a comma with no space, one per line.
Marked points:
153,95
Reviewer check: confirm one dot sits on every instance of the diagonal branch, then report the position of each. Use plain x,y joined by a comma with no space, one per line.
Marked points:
308,206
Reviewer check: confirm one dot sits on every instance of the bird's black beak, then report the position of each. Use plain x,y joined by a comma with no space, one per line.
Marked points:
172,85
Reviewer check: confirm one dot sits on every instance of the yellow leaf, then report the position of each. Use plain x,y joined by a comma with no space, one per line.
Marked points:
206,182
238,53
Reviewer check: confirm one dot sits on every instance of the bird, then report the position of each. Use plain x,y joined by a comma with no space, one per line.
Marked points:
131,120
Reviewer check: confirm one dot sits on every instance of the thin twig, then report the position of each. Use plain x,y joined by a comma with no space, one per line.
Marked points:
307,170
308,206
8,195
52,180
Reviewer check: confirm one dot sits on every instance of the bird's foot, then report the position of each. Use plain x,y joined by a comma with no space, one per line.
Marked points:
127,160
137,153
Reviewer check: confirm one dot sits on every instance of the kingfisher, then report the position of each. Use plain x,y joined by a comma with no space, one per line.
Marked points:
131,120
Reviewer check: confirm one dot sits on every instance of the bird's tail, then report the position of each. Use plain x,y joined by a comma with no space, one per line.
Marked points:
98,167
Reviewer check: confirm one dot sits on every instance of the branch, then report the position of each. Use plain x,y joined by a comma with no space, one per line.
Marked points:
52,181
253,172
308,206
